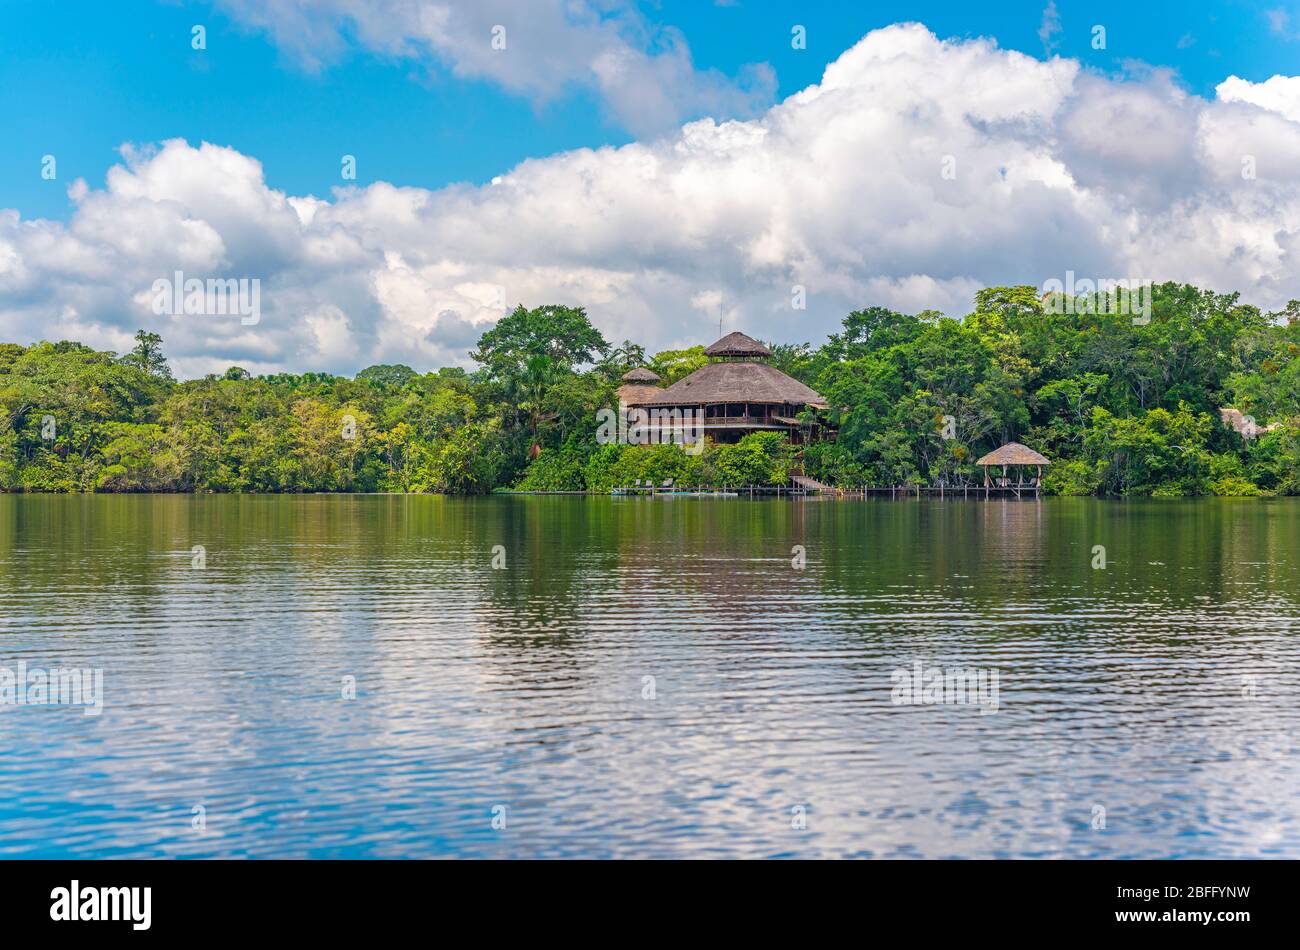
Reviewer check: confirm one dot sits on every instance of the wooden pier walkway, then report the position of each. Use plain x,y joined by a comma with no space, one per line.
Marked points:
803,486
1025,490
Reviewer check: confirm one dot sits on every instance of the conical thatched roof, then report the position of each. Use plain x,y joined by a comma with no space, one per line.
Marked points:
737,344
640,375
736,382
1013,453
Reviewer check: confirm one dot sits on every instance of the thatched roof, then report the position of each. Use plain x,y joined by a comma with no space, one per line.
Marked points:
736,382
1013,453
1243,424
640,375
737,344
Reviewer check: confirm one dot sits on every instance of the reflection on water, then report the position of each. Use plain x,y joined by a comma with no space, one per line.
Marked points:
651,677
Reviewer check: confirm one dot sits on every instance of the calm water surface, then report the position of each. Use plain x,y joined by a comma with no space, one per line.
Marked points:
1164,688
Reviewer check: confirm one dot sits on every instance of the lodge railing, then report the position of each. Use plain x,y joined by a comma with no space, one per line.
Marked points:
723,420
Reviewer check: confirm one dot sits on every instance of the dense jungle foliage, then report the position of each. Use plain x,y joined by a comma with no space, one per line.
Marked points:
1121,408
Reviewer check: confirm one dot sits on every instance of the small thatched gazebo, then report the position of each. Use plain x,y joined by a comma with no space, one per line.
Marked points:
1013,453
638,386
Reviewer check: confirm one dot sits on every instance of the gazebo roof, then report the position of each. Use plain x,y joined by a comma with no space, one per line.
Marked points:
1013,453
737,344
640,375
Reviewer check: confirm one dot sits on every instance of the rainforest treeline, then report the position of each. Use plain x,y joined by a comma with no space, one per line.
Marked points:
1120,407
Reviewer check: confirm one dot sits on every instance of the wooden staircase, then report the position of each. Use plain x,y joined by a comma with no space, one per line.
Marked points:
809,484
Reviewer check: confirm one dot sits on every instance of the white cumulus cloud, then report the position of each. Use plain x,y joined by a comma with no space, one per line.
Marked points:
915,172
643,73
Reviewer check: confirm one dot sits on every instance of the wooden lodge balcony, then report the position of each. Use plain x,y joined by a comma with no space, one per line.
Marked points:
727,422
772,421
738,416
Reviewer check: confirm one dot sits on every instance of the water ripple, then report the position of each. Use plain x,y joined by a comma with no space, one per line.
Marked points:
653,680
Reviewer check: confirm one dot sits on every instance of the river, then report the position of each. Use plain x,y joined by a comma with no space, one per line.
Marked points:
425,676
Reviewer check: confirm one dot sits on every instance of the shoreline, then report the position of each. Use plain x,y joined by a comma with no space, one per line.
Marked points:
853,494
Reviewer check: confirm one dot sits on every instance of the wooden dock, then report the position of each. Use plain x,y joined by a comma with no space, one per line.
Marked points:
1027,490
720,491
803,486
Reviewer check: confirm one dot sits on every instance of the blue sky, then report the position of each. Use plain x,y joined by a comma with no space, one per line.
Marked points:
80,81
665,165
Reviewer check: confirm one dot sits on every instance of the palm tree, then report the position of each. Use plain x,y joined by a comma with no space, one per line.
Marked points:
539,375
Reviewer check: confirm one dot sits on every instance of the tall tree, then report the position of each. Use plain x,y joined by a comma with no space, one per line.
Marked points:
147,355
563,335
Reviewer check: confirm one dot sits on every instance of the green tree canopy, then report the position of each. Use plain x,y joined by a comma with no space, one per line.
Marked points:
563,335
147,355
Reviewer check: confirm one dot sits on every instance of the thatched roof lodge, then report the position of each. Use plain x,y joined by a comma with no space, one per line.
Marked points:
738,393
1013,453
638,385
722,383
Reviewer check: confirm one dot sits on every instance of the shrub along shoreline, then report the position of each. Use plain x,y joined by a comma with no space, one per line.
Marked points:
1122,409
